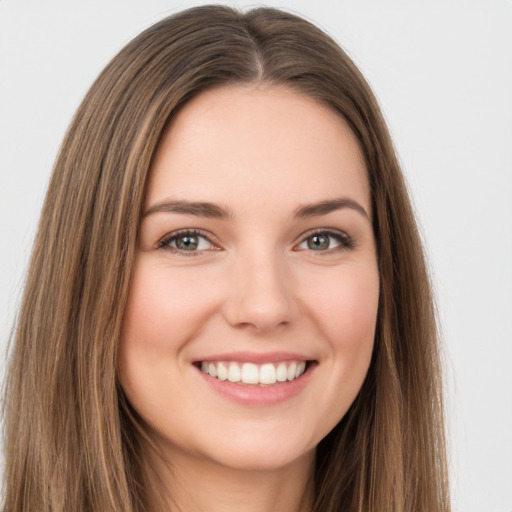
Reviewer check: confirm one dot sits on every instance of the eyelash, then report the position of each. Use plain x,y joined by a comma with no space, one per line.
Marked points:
344,240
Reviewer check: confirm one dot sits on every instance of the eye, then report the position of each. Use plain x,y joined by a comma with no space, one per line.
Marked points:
326,241
187,241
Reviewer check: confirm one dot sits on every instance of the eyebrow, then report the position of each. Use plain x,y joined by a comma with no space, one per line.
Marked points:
215,211
328,206
197,208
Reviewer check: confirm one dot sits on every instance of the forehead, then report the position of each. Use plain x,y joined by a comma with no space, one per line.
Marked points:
266,144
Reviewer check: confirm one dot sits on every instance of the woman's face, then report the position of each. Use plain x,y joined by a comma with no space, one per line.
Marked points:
251,317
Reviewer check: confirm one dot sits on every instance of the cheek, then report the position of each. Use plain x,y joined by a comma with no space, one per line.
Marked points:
163,313
163,310
346,312
349,315
346,307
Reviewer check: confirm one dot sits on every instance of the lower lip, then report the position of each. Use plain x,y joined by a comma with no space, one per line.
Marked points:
256,395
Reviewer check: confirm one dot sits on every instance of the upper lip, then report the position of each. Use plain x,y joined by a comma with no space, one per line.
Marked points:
255,357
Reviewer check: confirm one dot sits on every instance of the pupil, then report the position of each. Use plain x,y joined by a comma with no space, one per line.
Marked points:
318,242
187,243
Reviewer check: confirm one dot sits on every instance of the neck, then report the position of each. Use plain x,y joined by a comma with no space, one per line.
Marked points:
202,486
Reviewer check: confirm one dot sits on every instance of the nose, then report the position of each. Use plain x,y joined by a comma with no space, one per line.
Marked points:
260,293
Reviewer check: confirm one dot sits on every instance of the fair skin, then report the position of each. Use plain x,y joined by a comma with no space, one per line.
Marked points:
274,281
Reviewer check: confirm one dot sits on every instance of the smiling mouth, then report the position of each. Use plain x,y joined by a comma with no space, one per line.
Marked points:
250,374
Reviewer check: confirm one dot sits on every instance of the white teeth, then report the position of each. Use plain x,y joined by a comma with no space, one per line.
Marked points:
234,373
222,371
292,370
253,374
250,373
267,374
281,373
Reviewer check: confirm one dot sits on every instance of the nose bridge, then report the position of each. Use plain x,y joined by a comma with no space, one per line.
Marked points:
261,292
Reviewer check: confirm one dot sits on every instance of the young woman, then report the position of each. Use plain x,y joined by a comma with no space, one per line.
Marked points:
227,306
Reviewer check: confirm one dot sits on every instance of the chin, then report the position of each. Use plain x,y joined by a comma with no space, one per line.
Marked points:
260,452
255,459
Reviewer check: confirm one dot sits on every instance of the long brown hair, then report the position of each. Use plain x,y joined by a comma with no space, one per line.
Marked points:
72,441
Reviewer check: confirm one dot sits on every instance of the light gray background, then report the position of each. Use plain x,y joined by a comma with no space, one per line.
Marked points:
442,70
